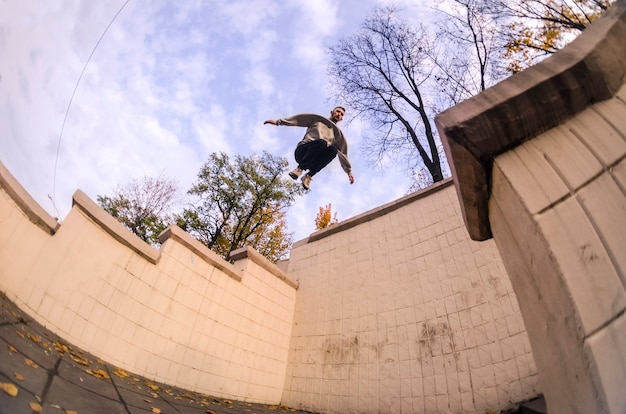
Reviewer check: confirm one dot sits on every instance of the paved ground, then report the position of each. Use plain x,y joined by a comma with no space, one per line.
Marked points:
39,372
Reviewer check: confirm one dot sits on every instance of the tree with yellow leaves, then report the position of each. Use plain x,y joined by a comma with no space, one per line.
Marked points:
325,218
534,29
271,239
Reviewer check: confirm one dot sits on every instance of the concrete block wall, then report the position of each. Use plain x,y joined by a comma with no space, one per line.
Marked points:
179,315
398,311
558,211
547,179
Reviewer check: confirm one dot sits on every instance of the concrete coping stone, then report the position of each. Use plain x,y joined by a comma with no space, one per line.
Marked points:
590,69
176,233
374,213
38,216
35,213
247,252
113,227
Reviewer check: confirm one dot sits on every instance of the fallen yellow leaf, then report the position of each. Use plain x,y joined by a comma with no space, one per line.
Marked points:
35,407
99,373
79,360
121,373
156,410
71,412
31,363
21,335
34,338
61,347
9,388
153,386
12,349
19,377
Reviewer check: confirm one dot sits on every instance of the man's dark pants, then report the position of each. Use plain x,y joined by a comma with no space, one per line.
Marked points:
314,155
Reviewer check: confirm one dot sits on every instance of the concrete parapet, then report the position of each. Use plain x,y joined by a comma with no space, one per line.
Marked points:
27,204
398,311
590,69
539,163
113,227
180,315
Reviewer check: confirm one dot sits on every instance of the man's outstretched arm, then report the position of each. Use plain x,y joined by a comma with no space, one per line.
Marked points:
300,120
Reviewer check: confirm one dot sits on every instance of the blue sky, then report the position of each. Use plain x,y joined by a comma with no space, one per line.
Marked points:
170,83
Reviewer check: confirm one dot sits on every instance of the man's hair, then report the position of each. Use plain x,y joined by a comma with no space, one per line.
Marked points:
340,107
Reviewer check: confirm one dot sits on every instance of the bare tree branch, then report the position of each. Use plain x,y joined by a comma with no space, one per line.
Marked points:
380,73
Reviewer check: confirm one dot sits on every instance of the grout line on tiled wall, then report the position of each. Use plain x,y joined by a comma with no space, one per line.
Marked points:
574,192
606,324
605,244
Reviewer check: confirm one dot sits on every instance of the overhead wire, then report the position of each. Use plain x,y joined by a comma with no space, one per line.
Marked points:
67,111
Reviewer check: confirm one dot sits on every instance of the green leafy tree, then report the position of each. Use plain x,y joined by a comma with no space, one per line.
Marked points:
143,206
382,73
241,203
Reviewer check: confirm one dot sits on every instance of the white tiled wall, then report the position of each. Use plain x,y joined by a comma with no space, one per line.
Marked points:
558,211
401,313
405,314
181,321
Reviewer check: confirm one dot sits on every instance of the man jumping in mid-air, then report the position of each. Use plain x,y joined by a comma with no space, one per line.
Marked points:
322,141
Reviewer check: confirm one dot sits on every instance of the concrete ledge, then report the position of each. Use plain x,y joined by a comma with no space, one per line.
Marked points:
590,69
247,252
374,213
176,233
26,203
114,227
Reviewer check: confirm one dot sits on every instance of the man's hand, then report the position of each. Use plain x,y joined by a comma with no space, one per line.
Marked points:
270,121
351,177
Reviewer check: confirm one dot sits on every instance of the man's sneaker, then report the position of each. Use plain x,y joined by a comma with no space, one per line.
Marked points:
306,181
295,173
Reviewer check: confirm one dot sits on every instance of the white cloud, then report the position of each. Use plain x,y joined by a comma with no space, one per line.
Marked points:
169,84
245,16
321,16
317,21
212,129
264,139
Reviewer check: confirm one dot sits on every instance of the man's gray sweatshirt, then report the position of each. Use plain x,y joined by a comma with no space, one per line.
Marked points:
319,127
